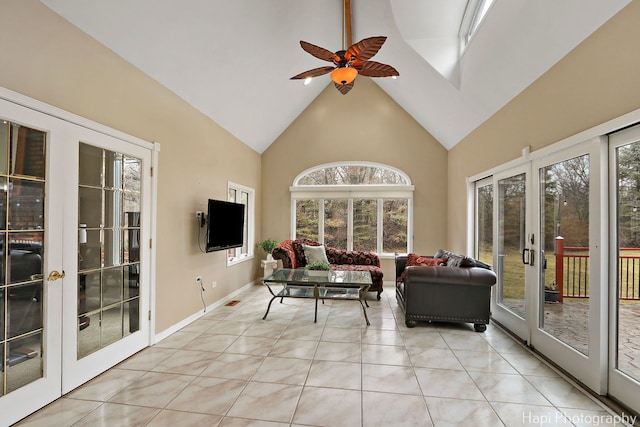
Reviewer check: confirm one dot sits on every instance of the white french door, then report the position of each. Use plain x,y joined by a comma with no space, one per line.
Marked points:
571,244
624,293
551,202
108,292
513,258
75,206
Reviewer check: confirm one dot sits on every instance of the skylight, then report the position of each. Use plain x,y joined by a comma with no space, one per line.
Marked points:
473,15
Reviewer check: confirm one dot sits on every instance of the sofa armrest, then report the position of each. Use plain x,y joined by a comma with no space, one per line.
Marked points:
285,253
401,263
339,256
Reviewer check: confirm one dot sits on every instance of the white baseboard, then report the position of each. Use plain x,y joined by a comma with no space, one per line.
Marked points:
176,327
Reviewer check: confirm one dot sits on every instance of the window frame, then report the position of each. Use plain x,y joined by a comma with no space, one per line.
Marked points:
474,14
239,256
351,192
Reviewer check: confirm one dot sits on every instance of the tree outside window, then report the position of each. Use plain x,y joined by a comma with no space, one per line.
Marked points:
354,206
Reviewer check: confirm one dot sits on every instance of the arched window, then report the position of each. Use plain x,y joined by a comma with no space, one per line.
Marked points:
354,206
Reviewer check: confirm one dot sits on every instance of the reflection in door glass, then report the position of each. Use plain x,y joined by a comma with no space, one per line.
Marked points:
108,247
22,300
628,254
484,221
564,238
511,242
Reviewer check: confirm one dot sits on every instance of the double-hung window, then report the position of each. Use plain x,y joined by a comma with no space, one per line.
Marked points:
244,195
355,206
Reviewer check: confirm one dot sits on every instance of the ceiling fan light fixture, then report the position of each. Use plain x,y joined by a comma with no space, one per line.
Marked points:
307,81
344,75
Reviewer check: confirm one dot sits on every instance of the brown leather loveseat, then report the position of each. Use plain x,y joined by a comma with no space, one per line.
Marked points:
447,287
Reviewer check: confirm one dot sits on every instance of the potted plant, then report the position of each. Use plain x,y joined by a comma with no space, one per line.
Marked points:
318,266
551,292
268,245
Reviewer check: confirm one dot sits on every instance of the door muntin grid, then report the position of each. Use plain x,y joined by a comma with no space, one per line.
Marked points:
109,200
22,234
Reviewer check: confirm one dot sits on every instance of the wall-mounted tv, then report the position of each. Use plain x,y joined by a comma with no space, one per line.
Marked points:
225,225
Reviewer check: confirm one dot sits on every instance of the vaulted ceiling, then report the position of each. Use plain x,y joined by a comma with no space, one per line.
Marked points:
232,59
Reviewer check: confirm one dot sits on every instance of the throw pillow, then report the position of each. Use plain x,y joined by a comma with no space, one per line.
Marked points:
315,254
456,260
483,265
418,260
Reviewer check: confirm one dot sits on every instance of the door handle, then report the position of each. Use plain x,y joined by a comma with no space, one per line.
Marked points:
55,275
529,259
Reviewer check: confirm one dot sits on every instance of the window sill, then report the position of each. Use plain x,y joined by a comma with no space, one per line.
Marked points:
238,260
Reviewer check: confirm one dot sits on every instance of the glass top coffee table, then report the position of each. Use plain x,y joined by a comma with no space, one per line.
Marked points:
319,285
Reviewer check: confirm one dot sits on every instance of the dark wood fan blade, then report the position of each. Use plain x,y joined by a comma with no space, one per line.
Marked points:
377,69
365,48
314,73
319,52
344,88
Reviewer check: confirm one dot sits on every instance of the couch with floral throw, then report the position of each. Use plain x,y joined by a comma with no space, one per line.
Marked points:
292,255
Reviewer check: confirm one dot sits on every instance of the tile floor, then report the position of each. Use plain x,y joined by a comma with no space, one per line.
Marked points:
231,368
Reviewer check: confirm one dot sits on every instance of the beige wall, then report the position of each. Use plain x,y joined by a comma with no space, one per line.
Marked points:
596,82
46,58
367,125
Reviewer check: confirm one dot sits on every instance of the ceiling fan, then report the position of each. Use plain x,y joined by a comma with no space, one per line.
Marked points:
351,62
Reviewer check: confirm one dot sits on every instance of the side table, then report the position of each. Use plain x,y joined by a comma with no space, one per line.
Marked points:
268,266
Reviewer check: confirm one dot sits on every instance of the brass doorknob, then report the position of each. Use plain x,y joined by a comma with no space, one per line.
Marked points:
55,275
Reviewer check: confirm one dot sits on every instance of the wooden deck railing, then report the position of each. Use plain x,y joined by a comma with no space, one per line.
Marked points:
572,272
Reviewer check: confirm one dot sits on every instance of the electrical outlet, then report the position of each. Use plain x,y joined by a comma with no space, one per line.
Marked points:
201,219
214,284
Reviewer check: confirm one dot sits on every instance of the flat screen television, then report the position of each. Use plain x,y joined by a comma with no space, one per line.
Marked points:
225,225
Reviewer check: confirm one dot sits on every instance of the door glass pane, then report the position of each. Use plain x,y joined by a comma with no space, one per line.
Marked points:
307,214
395,220
90,171
112,322
90,209
112,286
111,247
511,235
335,223
628,253
365,219
108,247
484,226
4,146
22,172
3,202
27,156
113,209
26,204
132,167
564,239
24,361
